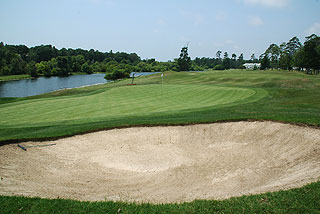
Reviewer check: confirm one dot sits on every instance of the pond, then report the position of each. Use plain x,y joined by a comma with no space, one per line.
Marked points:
31,87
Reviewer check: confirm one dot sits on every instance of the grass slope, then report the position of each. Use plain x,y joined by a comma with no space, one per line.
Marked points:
183,98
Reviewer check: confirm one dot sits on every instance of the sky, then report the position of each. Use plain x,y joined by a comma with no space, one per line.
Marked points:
159,28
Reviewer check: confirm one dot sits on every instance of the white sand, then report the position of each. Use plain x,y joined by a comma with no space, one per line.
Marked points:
165,164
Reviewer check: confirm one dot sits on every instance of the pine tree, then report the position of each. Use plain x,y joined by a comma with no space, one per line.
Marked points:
184,61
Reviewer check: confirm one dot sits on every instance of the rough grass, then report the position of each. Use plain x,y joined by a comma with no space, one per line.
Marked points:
14,77
301,200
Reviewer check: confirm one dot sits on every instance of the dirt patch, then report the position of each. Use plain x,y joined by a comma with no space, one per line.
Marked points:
165,164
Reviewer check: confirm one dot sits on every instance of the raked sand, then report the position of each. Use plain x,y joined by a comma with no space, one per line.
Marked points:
165,164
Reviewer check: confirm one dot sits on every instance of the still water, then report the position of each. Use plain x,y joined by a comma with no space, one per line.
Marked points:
31,87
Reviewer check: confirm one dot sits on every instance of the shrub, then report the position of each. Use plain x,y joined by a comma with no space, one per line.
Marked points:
219,67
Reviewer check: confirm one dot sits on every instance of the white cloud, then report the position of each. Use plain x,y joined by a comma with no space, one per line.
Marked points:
314,29
268,3
255,21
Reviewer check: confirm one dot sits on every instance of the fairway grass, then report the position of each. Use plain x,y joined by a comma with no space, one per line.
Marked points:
183,98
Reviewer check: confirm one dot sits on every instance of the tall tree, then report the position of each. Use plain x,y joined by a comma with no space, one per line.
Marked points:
299,58
234,61
285,61
184,61
234,57
265,62
240,61
218,55
273,53
312,52
226,61
293,46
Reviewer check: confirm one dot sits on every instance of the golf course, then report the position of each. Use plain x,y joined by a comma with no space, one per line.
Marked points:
188,142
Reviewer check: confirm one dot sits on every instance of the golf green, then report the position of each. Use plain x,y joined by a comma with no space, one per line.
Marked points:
124,101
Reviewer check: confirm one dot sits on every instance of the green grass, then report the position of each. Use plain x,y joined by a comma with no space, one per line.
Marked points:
183,98
14,77
141,100
302,200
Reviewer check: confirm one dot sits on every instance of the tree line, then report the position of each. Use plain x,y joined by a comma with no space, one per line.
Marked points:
46,60
222,61
293,55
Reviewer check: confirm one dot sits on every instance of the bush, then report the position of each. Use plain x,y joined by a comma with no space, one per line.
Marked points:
219,67
117,74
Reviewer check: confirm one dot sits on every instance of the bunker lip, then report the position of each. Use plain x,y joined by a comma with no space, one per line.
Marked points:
165,164
42,139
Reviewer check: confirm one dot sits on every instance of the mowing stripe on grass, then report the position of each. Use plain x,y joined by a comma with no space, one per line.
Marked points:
123,101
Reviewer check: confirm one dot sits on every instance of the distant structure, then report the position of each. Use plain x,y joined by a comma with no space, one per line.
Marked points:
252,65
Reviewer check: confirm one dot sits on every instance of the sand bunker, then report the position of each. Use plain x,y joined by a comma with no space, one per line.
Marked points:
165,164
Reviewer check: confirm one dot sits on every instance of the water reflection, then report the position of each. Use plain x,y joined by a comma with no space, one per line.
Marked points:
31,87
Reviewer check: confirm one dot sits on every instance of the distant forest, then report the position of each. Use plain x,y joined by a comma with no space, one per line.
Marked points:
292,55
46,60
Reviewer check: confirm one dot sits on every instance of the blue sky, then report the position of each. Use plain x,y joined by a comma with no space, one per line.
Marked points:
159,28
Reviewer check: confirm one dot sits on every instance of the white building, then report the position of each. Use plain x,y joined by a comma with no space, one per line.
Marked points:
252,65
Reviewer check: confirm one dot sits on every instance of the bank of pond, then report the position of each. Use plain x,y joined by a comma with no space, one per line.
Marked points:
41,85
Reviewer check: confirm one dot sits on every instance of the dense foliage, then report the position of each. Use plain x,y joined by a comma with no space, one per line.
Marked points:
294,55
220,63
46,60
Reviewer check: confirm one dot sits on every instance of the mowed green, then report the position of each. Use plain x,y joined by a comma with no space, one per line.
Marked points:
181,98
121,102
